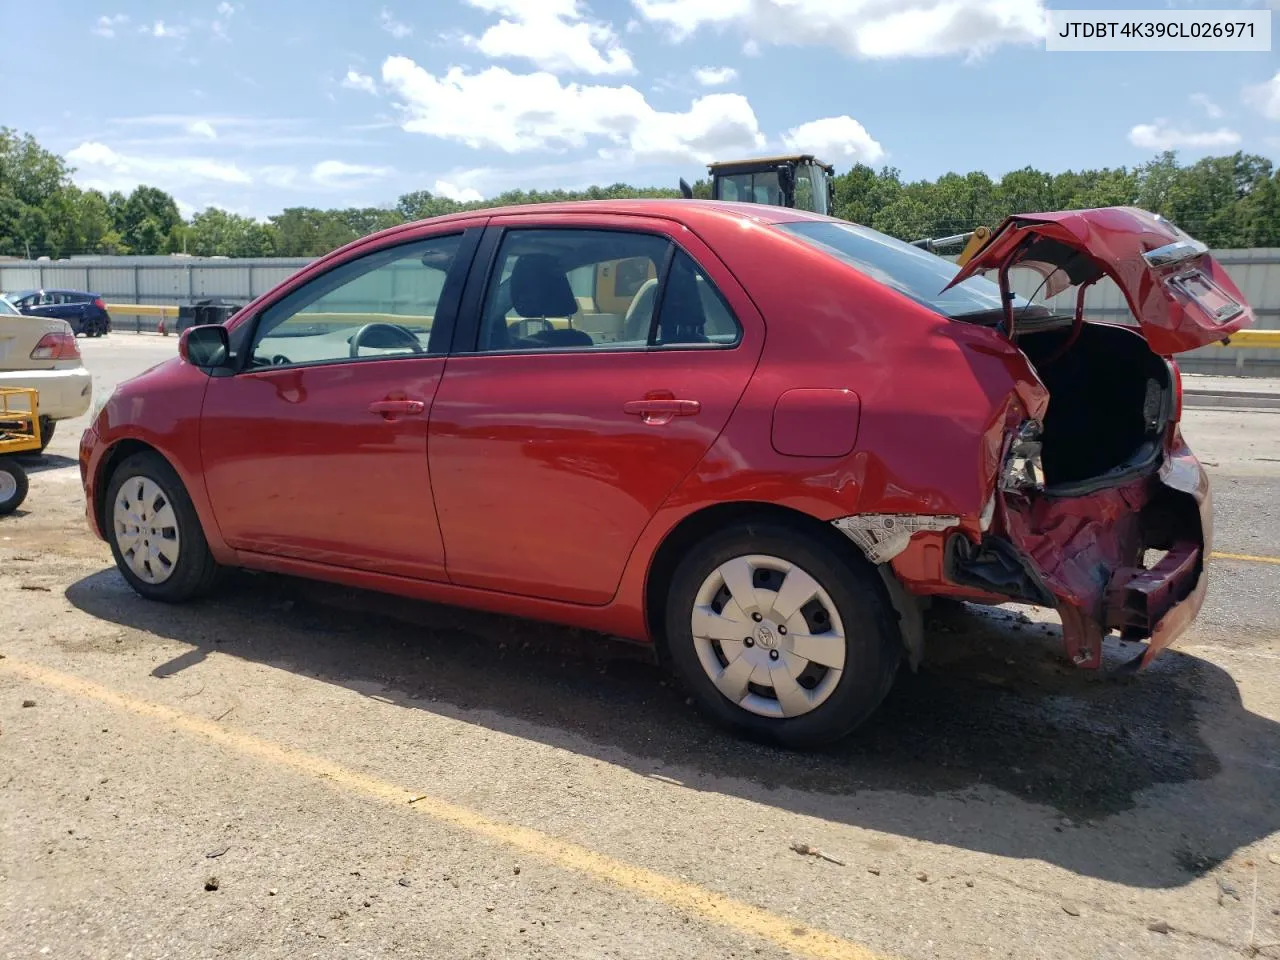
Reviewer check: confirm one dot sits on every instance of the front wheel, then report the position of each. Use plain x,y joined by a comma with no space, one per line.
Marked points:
155,533
779,637
13,485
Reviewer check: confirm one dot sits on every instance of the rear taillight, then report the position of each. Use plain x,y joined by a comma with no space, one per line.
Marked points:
56,346
1177,390
97,302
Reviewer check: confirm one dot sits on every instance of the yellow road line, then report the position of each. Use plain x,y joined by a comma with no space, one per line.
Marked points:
685,897
1249,557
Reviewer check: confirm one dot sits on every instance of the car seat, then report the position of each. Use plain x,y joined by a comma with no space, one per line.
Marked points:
540,289
681,318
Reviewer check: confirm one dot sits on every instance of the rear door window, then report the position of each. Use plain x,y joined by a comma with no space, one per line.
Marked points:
583,289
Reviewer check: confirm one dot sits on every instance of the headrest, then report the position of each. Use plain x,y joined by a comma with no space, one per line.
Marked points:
539,287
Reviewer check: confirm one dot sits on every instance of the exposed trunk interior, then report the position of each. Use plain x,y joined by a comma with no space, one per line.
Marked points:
1110,399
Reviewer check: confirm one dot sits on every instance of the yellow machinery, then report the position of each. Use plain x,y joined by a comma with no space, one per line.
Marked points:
19,433
798,180
972,241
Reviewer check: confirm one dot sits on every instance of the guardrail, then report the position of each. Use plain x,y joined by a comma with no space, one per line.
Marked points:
1257,339
140,310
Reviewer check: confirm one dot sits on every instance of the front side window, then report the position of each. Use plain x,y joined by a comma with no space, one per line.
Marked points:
646,292
378,306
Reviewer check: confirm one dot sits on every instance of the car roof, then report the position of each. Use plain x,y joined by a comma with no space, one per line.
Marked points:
686,211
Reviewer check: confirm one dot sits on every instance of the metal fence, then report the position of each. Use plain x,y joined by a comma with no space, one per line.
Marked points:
184,280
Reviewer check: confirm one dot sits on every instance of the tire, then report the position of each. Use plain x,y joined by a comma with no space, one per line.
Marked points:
47,428
831,701
172,564
13,485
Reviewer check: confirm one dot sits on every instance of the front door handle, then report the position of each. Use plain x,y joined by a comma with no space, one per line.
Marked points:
661,410
390,409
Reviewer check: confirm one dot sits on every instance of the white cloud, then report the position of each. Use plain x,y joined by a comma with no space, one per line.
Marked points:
393,26
497,109
98,165
282,175
1161,136
202,128
715,76
1265,97
1205,103
106,25
452,191
554,35
336,173
219,26
834,138
870,29
359,81
162,31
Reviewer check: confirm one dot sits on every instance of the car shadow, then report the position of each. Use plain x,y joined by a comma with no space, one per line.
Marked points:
994,711
34,463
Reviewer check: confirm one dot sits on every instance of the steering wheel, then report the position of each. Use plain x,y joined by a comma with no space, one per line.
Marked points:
397,331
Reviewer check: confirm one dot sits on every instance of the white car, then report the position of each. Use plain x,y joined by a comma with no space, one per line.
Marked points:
42,352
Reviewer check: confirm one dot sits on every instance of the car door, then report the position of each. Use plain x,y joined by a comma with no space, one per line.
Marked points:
37,304
316,449
60,304
551,447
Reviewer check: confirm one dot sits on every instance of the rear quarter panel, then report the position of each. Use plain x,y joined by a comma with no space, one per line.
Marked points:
934,398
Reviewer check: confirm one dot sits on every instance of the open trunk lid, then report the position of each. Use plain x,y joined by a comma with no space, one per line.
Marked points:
1181,296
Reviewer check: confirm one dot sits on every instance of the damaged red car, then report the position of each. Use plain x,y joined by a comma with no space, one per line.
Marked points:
759,439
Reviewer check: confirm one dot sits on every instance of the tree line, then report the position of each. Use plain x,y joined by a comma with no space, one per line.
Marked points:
1227,201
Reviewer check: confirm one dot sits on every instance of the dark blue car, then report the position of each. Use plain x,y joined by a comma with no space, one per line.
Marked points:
86,312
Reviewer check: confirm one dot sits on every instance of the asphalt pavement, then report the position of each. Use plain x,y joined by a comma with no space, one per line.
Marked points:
291,769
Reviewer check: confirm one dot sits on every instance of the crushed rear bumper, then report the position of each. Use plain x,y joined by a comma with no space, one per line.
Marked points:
1088,552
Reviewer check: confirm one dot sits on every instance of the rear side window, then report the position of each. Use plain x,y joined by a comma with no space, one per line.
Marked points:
910,270
569,289
692,312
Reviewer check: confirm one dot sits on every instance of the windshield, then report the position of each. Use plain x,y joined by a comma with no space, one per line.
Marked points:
7,308
909,270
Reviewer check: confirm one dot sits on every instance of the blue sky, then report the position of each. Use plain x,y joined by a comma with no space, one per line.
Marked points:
254,106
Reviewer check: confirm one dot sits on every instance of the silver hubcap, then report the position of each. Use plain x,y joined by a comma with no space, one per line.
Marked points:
8,486
768,636
146,529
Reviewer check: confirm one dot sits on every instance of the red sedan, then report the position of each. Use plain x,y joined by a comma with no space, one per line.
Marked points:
758,438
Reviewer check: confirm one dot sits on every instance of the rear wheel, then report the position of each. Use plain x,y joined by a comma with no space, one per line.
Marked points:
154,532
779,637
47,426
13,485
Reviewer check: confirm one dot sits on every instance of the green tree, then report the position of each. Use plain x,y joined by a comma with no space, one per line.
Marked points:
215,232
150,215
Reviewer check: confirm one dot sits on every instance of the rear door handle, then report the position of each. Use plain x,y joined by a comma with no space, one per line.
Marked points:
661,410
390,409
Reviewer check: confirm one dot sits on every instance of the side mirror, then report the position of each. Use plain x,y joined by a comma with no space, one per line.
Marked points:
686,191
206,346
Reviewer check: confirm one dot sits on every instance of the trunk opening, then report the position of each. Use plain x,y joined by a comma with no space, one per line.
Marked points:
1110,403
